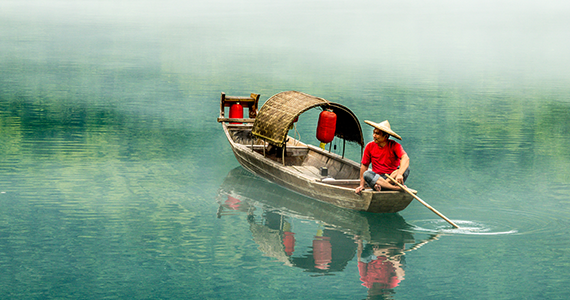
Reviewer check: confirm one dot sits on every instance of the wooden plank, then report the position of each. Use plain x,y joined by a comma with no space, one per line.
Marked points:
255,147
308,170
297,151
341,181
239,99
239,120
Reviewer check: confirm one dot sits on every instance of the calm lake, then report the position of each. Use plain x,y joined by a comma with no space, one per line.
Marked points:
116,181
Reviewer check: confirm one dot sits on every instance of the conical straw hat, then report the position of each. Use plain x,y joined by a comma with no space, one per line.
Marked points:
384,126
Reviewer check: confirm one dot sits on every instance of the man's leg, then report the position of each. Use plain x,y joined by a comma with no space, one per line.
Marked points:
386,184
371,178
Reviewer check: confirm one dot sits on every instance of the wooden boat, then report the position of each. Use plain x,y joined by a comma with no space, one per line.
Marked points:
261,145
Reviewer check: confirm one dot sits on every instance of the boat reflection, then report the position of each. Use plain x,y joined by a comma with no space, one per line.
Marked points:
337,235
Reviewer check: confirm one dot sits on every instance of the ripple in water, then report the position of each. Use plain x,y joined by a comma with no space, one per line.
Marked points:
465,227
504,221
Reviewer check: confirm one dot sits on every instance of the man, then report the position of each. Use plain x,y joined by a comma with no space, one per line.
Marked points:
386,156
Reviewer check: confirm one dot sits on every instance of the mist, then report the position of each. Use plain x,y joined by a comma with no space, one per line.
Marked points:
521,42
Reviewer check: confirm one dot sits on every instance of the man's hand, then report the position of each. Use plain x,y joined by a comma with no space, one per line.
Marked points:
400,179
359,189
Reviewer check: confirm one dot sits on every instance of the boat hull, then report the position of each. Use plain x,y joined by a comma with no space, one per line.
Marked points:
342,196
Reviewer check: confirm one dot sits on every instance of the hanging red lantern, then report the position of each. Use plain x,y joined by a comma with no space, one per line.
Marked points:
236,112
326,126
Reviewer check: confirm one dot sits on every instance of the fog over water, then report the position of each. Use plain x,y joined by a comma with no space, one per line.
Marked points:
428,41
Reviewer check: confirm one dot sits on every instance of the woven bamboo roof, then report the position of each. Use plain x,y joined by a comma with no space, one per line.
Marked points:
278,113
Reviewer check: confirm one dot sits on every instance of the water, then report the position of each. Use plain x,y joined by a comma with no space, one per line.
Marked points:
116,181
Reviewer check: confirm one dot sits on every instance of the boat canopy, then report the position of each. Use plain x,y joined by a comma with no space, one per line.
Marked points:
277,115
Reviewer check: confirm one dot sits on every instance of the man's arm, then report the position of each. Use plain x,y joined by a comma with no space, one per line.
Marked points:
363,168
399,173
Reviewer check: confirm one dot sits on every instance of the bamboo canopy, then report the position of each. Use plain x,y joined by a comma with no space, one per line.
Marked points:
279,112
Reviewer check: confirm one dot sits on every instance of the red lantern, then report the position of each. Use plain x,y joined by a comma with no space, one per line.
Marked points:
233,203
236,111
322,252
326,126
289,242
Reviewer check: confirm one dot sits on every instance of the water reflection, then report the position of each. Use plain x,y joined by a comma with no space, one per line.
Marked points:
378,241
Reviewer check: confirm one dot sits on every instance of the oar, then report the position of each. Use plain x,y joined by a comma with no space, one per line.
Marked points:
423,202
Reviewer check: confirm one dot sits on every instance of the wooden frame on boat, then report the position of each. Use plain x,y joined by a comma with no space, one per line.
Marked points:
261,145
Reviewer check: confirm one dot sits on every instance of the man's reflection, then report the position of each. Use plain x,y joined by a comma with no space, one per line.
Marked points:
381,267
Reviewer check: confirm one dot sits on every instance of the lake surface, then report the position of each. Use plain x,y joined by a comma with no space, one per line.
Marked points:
116,181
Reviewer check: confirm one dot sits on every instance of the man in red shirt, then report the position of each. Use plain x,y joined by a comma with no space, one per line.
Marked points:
386,156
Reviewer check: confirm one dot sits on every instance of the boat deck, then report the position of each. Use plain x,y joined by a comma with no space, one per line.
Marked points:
307,160
310,171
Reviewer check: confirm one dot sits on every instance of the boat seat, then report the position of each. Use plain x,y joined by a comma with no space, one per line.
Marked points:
341,181
296,150
290,150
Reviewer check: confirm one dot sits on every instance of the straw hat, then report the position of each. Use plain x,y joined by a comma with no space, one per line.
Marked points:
384,126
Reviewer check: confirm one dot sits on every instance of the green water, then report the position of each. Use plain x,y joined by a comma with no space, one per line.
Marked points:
116,181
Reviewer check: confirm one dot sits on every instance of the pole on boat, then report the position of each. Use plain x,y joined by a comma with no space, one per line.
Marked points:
424,203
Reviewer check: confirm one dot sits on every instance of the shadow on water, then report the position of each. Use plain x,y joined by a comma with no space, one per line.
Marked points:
378,241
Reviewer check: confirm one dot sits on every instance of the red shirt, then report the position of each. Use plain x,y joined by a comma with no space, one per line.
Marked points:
380,271
385,160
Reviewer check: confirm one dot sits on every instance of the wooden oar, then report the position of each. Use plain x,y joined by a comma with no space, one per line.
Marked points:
423,202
